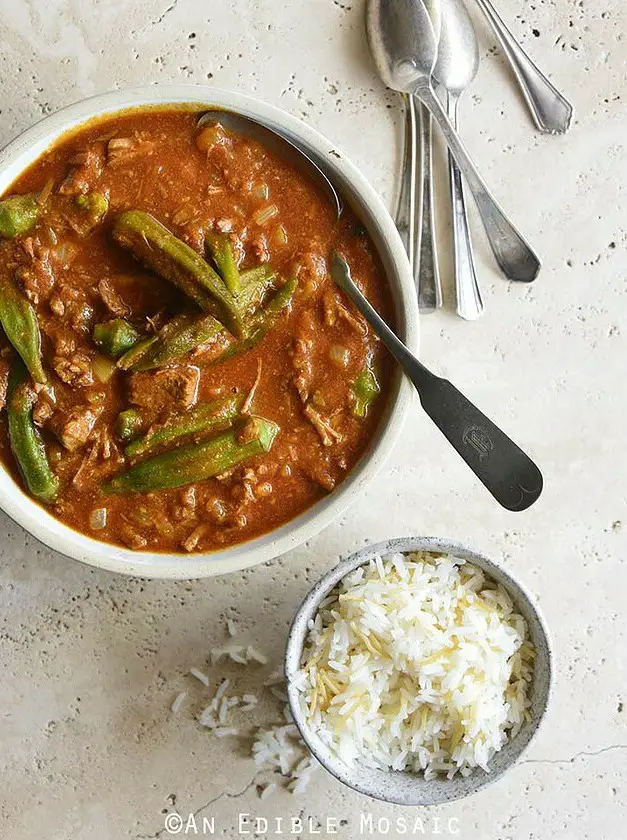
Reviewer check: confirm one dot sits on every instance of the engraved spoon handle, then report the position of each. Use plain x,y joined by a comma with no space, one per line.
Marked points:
550,110
501,466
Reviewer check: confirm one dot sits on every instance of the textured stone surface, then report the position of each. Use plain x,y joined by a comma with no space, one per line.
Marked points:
90,662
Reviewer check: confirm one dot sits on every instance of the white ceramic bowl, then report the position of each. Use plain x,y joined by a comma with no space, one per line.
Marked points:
26,148
405,788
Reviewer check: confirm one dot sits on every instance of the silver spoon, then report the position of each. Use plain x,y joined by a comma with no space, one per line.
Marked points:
405,216
550,110
416,225
277,143
404,46
456,67
427,265
503,468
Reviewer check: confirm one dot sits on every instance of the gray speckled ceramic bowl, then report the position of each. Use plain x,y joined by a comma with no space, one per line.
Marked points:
405,788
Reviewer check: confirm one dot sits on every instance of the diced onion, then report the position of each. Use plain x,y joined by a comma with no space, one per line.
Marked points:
103,368
265,213
340,355
46,192
210,136
98,519
261,191
280,235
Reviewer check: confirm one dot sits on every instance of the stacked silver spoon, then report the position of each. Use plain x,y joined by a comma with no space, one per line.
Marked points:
427,51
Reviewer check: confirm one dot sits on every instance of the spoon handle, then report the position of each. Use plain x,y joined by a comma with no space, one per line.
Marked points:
467,291
405,217
514,256
550,110
501,466
426,263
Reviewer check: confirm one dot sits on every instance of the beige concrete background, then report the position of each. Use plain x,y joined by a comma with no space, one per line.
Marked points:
90,662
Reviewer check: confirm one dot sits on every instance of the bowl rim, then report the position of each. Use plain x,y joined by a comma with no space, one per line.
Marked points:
416,791
27,146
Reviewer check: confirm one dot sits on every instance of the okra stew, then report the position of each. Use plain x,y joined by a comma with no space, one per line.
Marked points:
178,371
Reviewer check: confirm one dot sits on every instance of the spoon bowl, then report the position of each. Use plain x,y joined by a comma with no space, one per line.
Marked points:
403,44
458,51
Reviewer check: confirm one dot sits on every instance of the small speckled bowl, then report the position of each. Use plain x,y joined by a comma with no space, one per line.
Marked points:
404,788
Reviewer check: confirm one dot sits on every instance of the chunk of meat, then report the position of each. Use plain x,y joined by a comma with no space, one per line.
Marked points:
320,474
170,389
57,307
313,270
63,340
4,382
301,360
75,369
260,248
187,505
131,537
74,428
112,300
101,461
334,309
191,542
122,150
328,435
224,225
86,169
44,407
71,304
36,277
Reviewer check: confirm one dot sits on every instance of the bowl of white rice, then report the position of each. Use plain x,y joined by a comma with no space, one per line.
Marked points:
418,671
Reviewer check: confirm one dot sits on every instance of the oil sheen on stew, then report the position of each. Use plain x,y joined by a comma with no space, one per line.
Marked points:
178,371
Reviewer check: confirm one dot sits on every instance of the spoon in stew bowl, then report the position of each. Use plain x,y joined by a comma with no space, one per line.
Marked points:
277,143
502,467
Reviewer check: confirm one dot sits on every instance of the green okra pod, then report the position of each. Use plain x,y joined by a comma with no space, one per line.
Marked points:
255,283
177,338
26,442
135,354
197,461
203,420
92,207
263,320
280,301
19,321
173,259
116,337
18,214
129,424
365,390
221,249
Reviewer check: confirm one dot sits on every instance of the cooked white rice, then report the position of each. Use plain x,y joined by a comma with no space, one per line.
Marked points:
200,675
277,747
178,702
417,663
